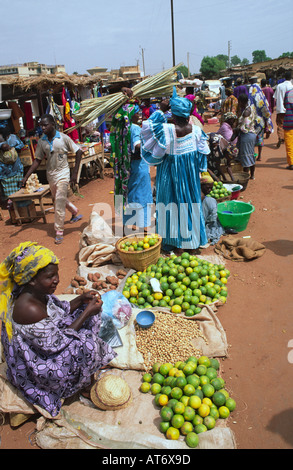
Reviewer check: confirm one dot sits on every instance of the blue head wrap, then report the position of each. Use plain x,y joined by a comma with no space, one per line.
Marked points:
180,106
136,109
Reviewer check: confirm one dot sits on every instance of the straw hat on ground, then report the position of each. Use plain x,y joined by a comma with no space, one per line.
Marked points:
111,393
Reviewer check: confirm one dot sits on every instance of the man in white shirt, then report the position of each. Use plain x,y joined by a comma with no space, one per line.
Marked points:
55,146
279,96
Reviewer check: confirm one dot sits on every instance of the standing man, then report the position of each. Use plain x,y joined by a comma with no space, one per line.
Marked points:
279,96
288,127
55,146
269,94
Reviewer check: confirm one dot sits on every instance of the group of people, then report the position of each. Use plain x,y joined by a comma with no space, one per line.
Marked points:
245,121
182,152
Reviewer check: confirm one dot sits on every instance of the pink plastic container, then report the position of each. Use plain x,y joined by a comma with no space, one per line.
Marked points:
213,120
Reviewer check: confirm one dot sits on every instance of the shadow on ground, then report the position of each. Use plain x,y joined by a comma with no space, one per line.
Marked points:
282,424
280,247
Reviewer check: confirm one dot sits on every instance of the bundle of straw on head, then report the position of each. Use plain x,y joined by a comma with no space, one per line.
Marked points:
158,85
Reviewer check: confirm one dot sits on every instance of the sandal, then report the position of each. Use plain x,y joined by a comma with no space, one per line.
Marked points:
58,239
75,218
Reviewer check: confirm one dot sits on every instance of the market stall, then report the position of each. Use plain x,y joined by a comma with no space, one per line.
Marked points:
177,356
164,389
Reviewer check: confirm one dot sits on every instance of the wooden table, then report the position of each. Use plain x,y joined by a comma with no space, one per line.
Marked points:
96,158
37,197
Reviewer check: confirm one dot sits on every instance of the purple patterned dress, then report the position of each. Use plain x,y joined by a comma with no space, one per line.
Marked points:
48,361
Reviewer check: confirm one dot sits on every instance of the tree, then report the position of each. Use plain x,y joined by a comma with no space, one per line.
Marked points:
184,70
286,54
259,56
211,66
244,61
223,58
235,60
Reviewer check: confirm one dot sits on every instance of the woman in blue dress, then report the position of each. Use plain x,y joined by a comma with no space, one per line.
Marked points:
179,151
139,197
131,173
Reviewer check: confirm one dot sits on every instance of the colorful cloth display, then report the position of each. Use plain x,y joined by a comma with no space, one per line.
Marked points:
120,139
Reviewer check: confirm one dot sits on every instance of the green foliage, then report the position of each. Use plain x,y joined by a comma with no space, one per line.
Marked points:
211,67
184,70
286,54
235,60
259,56
244,61
223,58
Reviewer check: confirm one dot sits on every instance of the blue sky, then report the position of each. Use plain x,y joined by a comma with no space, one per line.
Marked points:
85,33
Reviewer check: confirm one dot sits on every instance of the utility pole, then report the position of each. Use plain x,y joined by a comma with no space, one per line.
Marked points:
142,54
188,64
229,54
172,23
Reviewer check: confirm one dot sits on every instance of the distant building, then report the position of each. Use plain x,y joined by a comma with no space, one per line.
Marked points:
131,72
101,71
30,69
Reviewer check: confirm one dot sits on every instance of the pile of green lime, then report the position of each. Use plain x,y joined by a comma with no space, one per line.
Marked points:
187,283
219,191
191,395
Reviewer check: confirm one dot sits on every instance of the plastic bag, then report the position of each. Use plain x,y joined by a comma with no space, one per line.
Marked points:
108,333
117,307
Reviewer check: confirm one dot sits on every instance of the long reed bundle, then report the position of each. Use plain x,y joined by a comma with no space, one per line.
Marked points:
158,85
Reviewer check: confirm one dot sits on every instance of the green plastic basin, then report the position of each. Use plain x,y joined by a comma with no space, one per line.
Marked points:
235,214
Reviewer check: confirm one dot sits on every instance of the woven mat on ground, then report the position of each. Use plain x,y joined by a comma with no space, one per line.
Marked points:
239,249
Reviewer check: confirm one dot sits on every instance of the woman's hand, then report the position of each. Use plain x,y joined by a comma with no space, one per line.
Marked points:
127,91
94,306
86,297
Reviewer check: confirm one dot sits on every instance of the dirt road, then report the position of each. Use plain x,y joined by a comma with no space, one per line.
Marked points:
257,316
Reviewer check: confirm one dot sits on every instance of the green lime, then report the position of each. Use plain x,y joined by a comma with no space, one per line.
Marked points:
147,377
164,425
219,399
192,439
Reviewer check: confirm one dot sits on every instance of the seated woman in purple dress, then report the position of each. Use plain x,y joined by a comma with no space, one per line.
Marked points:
52,348
227,127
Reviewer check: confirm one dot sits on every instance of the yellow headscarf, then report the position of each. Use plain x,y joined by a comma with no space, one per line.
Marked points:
19,268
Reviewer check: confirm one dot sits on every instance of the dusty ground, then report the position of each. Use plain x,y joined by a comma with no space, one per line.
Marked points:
257,317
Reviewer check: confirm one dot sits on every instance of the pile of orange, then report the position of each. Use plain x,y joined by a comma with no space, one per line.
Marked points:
191,396
186,283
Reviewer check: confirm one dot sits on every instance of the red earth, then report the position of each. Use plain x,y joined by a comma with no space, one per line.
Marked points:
256,318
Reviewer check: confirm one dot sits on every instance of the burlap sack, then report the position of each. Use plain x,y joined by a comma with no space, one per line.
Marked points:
98,254
239,249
